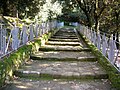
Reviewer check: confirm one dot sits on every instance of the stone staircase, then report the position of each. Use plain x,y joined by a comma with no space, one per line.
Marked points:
64,63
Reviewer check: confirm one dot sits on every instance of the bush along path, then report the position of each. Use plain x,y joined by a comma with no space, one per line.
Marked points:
63,63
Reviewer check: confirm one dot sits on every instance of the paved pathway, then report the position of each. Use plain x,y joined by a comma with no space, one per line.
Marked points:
64,63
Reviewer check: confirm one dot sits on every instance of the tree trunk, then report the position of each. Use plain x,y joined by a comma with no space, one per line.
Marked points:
97,23
117,27
88,19
117,40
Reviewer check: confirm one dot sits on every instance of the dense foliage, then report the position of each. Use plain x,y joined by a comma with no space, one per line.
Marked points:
49,10
98,14
19,8
101,14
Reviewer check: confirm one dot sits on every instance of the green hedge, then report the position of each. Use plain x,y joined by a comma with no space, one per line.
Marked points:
9,64
114,75
12,62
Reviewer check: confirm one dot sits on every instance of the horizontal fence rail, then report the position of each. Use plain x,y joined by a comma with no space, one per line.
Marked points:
105,44
11,40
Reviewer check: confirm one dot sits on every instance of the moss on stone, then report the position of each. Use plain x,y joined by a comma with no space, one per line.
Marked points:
14,60
113,74
11,63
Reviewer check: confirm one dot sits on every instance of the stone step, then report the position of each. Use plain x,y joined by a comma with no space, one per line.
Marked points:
61,37
63,56
64,40
63,48
62,70
66,31
63,43
81,42
65,34
58,84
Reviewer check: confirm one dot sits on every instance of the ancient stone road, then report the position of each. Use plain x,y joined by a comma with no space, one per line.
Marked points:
64,63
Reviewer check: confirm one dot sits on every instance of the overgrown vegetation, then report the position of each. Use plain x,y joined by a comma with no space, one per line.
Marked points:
97,14
113,74
12,62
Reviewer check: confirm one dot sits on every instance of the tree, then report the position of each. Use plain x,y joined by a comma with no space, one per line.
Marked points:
111,19
19,8
49,10
102,15
87,7
70,11
93,10
28,8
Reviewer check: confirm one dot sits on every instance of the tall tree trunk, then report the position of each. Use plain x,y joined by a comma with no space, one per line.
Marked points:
117,28
96,17
117,40
88,19
97,25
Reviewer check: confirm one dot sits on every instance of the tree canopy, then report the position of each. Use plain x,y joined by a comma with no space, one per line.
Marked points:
101,14
97,14
19,8
49,10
